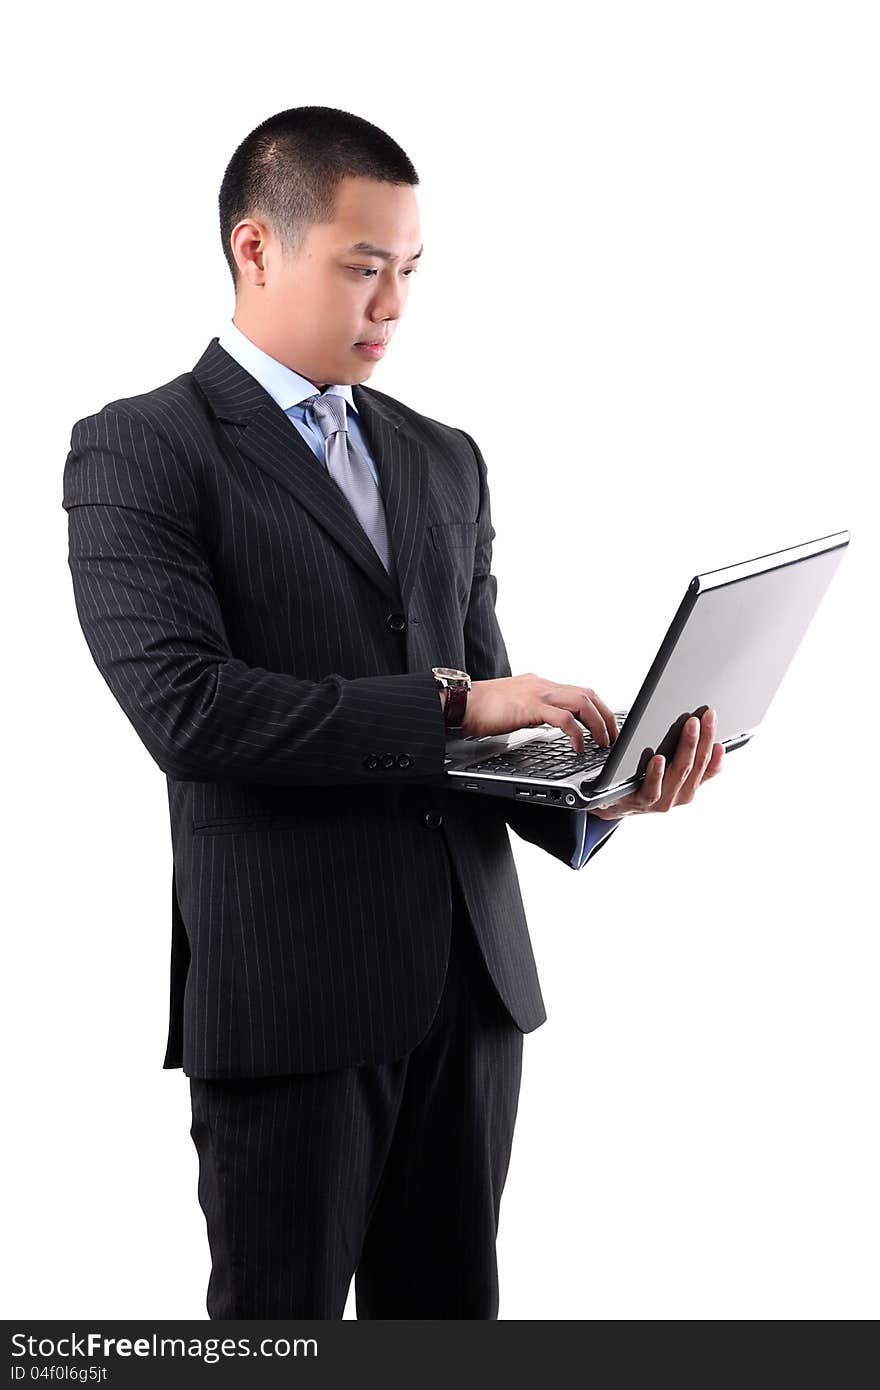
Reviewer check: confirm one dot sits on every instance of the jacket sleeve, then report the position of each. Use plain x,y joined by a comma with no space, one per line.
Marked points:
591,833
556,831
151,617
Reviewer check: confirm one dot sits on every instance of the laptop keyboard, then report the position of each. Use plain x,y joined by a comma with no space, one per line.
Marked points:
549,759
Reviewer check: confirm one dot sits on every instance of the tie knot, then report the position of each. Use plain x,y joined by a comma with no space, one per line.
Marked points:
329,411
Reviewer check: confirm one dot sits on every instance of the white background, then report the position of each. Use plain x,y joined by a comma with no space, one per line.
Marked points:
650,292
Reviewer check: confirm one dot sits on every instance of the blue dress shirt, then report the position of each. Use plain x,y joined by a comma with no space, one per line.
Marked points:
288,389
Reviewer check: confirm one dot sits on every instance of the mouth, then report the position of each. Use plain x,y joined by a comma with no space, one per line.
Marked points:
375,350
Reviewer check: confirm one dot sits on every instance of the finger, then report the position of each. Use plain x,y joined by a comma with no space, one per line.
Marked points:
640,800
682,762
564,720
702,754
651,789
606,712
597,716
715,763
571,697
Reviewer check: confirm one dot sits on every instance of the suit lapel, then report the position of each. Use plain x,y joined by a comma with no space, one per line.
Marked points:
262,432
403,467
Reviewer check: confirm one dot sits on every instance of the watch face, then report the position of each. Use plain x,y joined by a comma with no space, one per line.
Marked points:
450,673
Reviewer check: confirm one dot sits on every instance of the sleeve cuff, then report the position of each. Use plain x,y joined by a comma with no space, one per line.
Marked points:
590,832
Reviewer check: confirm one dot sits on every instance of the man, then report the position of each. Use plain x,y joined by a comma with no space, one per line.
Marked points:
271,563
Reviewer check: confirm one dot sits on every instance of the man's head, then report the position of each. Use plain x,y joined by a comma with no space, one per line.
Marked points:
307,204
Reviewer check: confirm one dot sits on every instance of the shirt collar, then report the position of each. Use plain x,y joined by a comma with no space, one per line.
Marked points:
286,387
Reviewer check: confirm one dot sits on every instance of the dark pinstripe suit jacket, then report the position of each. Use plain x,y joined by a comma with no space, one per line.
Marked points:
245,624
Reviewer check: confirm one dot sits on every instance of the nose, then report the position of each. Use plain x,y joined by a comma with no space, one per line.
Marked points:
388,303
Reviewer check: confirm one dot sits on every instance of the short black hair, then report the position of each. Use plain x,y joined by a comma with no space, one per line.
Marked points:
287,171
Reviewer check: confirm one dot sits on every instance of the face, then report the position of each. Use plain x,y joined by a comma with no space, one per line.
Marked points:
310,311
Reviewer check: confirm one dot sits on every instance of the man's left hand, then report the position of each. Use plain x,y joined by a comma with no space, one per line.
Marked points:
696,759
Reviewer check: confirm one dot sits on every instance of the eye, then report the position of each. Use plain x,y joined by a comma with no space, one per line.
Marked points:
367,270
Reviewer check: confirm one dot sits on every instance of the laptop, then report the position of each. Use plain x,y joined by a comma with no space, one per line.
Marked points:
728,647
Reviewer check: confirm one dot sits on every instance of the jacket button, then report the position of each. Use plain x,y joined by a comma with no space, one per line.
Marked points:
403,760
387,759
432,819
396,622
371,760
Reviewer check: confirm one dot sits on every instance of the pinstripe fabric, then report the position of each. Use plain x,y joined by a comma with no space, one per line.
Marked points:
291,392
246,626
391,1172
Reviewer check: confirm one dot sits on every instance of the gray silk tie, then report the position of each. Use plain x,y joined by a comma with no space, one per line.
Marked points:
350,470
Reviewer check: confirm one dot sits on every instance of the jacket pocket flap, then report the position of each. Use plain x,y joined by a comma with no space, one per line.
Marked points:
454,533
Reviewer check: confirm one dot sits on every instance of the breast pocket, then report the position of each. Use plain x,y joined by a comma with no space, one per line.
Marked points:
449,561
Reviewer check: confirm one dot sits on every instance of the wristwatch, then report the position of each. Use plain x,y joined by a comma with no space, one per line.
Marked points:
456,684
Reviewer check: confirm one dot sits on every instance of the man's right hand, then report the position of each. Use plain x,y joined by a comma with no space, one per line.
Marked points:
521,702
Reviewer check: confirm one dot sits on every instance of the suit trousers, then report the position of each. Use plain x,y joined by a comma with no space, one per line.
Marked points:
388,1172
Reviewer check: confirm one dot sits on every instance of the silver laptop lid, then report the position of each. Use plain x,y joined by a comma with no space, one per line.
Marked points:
728,647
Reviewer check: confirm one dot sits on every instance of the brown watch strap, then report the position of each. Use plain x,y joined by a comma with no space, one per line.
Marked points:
454,706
